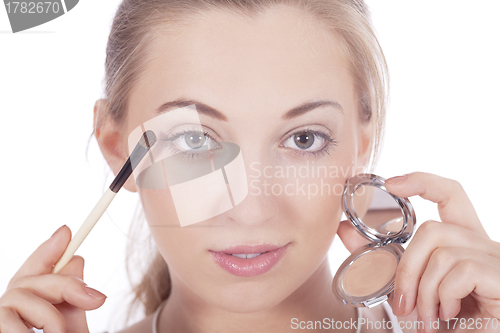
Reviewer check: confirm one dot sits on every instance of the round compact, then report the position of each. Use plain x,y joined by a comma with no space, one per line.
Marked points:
367,277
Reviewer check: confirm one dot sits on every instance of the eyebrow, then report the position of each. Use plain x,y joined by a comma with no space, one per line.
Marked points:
309,106
211,112
200,107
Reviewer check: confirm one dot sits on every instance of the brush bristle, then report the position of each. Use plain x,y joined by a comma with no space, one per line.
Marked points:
148,139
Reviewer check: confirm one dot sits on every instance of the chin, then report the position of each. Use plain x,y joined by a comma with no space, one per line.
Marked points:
248,297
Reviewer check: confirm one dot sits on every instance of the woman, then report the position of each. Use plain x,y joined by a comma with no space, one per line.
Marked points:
292,83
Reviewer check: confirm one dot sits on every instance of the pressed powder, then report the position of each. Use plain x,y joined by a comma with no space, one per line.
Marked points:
369,273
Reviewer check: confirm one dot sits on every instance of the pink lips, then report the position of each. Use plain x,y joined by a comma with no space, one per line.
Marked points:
270,255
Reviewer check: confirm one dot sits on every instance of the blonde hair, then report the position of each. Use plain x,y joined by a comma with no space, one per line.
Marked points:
133,29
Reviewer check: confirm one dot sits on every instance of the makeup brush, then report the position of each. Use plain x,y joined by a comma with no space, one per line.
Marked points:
148,139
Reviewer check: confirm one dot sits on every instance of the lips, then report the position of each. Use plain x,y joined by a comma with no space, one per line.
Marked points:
249,261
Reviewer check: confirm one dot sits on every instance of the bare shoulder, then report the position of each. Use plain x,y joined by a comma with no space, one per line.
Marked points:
142,326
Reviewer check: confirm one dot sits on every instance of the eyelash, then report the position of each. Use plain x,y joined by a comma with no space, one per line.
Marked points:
186,153
329,143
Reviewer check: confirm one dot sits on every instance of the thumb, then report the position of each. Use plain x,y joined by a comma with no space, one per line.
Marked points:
74,267
351,238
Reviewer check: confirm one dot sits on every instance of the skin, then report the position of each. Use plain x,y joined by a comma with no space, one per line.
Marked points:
258,69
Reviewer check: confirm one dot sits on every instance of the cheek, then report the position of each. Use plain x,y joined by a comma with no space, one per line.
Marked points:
176,244
158,207
173,241
161,217
315,208
313,211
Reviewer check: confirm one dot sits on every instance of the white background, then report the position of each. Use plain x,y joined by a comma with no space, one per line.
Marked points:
443,118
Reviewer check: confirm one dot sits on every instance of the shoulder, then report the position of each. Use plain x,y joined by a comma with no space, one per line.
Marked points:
142,326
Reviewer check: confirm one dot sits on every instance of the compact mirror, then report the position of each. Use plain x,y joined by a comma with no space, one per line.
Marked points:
375,212
383,214
367,276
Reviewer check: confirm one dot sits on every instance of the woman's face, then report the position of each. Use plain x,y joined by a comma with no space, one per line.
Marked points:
253,71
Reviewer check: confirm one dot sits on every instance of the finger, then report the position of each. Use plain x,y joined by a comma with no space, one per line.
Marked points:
351,238
441,262
453,203
74,267
469,275
11,322
76,316
430,236
55,289
408,324
42,260
36,311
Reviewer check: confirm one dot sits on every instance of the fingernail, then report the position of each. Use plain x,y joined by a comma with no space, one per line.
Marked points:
396,180
94,293
399,303
57,231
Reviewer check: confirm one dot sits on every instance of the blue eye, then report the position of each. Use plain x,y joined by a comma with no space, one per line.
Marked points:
191,142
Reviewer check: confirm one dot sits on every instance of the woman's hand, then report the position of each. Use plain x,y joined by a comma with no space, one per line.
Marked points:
52,302
450,269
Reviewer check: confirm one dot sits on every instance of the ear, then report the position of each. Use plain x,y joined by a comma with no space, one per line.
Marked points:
111,138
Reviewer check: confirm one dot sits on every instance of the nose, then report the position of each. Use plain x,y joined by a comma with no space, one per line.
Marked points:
259,206
255,210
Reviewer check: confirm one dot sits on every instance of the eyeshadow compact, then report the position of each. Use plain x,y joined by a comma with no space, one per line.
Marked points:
367,277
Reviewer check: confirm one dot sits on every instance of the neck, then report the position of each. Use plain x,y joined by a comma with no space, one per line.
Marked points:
312,301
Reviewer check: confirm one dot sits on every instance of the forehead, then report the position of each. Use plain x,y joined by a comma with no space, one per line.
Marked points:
283,56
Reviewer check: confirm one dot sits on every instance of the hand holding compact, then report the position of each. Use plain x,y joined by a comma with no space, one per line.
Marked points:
52,302
450,269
